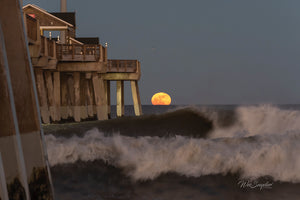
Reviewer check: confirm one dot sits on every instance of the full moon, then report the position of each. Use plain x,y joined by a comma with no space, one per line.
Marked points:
161,98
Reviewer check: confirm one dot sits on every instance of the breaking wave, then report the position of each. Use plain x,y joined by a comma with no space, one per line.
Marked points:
261,141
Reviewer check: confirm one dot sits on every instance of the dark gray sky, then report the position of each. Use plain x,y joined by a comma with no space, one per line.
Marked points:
201,51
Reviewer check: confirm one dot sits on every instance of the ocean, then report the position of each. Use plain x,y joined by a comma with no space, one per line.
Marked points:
179,153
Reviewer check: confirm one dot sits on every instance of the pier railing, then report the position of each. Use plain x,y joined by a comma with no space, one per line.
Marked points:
48,47
72,52
127,66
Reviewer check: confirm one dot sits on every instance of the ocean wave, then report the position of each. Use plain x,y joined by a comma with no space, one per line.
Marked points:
258,120
145,158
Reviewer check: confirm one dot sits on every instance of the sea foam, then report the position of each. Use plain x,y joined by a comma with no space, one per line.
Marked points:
252,147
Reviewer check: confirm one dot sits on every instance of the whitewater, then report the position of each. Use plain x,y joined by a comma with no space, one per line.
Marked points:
261,141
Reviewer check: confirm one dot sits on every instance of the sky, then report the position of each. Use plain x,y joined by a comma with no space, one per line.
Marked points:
200,51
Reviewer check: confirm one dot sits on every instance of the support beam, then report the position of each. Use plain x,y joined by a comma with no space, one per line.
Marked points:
64,97
107,92
31,138
3,186
50,94
89,97
10,142
71,95
56,90
83,98
99,94
40,85
136,98
120,98
76,76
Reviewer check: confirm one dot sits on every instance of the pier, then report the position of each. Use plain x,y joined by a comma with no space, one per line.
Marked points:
73,74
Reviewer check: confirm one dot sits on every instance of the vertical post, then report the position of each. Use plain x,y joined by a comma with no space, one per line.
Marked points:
10,141
49,85
46,53
31,137
107,92
40,85
71,95
84,52
63,8
88,94
56,88
54,49
3,186
76,76
136,98
101,54
73,51
64,97
120,98
99,94
83,98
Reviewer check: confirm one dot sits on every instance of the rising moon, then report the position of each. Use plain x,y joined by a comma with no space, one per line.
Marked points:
161,98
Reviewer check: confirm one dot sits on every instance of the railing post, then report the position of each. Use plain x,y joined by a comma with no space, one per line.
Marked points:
54,48
101,53
61,51
46,53
84,51
73,51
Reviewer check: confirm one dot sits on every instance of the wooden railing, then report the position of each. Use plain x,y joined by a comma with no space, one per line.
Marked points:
48,47
32,28
127,66
66,52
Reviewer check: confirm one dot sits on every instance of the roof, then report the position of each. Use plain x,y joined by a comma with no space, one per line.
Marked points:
47,13
66,16
88,40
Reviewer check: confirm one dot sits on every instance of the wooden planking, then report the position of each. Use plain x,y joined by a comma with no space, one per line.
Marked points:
120,98
136,98
40,85
76,76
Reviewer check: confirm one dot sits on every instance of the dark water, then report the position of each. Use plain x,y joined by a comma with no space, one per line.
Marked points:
180,152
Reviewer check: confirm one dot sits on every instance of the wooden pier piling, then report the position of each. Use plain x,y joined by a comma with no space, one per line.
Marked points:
21,137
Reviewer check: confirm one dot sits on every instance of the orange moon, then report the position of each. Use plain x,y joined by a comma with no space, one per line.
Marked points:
161,98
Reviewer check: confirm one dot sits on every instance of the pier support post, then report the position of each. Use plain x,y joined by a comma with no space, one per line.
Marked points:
3,186
83,97
76,76
99,94
10,142
107,92
57,97
20,117
64,97
136,98
89,97
40,83
120,98
50,93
